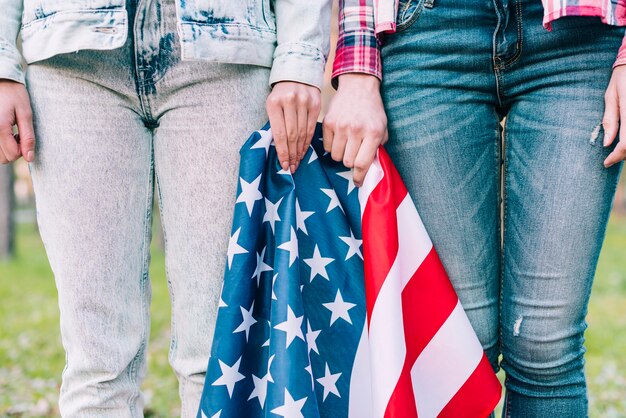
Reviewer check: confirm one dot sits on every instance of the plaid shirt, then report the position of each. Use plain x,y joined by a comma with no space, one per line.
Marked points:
358,48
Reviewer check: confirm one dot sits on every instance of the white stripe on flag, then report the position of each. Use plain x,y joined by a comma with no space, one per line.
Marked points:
387,343
446,363
372,178
360,381
387,340
414,244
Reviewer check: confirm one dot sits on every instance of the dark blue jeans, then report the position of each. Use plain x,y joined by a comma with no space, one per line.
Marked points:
518,214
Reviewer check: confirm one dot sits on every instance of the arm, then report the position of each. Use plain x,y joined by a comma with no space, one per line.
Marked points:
14,102
356,123
615,109
303,36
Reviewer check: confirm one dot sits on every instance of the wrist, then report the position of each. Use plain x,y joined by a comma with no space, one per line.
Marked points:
360,81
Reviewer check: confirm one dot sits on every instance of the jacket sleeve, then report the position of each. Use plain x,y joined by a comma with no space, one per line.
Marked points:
358,50
303,36
10,57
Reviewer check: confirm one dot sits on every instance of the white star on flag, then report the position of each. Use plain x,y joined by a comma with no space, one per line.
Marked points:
292,326
230,376
318,264
291,408
339,309
313,156
291,246
264,141
329,382
354,246
249,193
271,212
348,176
248,320
222,304
311,336
260,266
260,389
217,415
234,248
302,216
334,200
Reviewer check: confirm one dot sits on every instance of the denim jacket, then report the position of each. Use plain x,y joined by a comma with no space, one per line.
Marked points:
290,36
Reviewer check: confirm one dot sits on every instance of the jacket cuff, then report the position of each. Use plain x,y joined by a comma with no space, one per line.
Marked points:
10,63
298,62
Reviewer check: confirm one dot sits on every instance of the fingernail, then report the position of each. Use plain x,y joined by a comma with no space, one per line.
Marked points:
285,166
293,168
30,156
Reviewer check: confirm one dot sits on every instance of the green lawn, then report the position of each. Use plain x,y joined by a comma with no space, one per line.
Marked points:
31,356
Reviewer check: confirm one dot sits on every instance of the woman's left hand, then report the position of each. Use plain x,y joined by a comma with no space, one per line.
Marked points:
293,109
614,112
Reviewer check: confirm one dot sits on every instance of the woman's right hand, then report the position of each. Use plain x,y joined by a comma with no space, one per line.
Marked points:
356,124
15,110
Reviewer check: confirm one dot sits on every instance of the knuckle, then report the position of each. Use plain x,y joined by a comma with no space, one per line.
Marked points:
272,100
302,99
348,162
343,125
289,97
328,122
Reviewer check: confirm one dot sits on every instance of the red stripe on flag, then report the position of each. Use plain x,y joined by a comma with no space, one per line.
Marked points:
428,299
380,229
402,401
478,396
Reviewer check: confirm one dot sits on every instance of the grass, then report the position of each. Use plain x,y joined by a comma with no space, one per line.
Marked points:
32,359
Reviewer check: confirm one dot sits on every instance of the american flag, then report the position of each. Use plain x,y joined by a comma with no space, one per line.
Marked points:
335,303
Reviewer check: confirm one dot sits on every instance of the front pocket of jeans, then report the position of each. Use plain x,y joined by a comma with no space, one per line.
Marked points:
408,13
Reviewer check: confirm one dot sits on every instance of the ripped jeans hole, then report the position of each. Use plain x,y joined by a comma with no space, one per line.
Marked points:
517,326
595,134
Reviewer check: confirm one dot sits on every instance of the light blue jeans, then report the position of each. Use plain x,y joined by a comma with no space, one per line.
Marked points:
523,261
110,125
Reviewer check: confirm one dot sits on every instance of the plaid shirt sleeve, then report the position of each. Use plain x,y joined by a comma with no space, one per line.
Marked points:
358,50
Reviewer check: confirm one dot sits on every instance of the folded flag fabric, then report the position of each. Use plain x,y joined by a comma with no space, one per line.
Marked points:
335,303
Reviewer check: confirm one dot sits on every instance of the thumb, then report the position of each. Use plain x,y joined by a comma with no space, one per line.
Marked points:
26,133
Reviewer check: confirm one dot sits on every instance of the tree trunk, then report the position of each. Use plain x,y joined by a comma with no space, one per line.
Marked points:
6,210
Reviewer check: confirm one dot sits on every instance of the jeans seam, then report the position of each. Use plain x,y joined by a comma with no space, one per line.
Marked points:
132,374
173,342
502,219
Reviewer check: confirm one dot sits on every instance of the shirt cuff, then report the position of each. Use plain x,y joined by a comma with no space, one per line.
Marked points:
357,52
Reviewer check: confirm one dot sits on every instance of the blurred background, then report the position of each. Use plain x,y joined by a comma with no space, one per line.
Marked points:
32,358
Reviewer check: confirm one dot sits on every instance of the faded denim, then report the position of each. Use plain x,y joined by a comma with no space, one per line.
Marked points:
450,75
290,36
110,126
